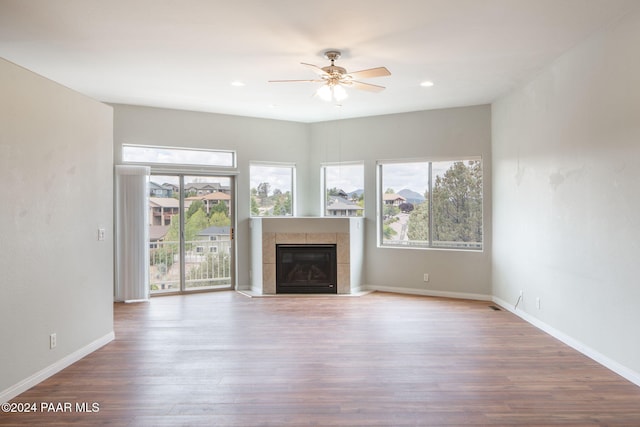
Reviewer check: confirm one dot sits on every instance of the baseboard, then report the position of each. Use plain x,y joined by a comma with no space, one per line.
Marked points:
252,294
429,293
38,377
598,357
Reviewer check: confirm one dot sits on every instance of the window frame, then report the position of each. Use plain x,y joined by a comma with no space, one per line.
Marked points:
380,202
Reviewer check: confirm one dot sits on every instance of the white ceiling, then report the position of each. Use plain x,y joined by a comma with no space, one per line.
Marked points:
186,53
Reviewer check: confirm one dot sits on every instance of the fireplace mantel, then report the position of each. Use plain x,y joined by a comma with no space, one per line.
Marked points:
346,232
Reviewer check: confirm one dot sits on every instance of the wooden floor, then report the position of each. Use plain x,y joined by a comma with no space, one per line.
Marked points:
223,359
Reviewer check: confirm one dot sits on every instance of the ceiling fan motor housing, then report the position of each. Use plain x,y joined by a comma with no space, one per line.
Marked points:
336,73
334,69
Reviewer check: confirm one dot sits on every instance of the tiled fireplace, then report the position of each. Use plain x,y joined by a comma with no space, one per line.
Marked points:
347,234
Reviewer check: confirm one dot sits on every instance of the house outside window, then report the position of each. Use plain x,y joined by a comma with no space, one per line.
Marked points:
431,204
343,189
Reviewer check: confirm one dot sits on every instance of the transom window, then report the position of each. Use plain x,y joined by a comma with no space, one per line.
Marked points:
178,156
431,204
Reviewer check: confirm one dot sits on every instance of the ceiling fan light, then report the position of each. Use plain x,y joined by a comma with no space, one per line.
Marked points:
324,92
339,93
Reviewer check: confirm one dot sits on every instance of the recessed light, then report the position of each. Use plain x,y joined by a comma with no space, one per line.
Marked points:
426,83
237,83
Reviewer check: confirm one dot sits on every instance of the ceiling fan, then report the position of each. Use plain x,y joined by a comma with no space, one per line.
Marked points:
335,78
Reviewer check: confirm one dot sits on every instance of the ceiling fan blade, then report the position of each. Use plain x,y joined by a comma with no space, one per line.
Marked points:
289,81
319,71
371,72
366,86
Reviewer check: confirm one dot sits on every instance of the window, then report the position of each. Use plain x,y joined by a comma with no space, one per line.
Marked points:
343,189
178,156
272,188
428,204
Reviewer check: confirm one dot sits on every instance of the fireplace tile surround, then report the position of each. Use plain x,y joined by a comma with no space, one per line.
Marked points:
346,233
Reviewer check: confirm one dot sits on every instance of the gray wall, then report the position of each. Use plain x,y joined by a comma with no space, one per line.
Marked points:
566,195
425,134
56,170
452,132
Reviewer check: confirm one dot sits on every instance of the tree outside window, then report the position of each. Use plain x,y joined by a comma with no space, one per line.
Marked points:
432,204
271,190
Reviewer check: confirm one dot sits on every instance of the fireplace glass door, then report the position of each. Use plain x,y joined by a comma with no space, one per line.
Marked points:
306,269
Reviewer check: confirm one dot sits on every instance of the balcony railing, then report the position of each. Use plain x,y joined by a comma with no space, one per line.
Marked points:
437,244
207,265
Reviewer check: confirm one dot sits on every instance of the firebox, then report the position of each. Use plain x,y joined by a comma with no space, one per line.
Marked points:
306,269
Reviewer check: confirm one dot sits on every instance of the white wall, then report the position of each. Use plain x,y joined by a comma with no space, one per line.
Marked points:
566,195
56,170
253,139
425,134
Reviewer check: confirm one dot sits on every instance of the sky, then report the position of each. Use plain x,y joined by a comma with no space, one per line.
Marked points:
412,176
177,156
397,176
279,177
172,179
345,177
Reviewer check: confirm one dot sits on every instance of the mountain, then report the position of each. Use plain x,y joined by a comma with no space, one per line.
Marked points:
357,193
411,196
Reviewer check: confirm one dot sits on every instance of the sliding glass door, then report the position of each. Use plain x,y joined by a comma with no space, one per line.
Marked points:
207,232
191,233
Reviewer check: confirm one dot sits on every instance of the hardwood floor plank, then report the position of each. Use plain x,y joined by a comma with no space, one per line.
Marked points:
377,360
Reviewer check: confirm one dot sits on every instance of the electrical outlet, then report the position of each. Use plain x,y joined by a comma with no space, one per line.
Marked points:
101,234
538,303
426,277
53,341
